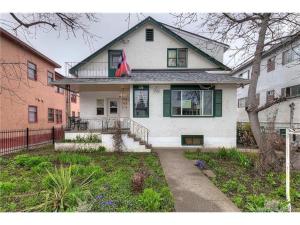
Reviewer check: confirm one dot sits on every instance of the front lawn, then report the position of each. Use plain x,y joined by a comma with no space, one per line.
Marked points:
45,180
237,178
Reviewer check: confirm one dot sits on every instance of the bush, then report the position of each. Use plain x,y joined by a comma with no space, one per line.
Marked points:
42,167
74,158
7,187
62,193
150,200
244,135
29,161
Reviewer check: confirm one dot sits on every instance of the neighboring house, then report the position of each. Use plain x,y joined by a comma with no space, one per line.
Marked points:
168,100
27,100
280,76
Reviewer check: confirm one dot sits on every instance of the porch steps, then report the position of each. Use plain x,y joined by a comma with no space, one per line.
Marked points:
139,140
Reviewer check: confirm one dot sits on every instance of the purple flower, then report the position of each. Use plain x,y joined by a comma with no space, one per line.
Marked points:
99,196
200,164
109,203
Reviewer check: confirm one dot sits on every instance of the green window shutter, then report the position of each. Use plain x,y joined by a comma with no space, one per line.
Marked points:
167,103
218,103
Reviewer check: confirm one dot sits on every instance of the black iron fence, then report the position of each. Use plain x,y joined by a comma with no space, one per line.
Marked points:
15,140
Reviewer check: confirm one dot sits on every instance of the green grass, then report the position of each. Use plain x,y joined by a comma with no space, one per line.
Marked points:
27,181
237,177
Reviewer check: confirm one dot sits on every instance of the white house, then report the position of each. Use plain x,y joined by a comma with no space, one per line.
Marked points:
280,76
169,99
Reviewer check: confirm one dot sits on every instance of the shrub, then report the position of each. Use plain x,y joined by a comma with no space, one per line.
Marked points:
40,168
29,161
244,135
74,158
167,200
150,200
7,187
62,193
137,181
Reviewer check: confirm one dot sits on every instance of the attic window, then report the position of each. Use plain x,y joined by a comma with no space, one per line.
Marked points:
149,35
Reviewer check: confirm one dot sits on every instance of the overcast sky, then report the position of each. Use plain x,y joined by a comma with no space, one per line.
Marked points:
62,50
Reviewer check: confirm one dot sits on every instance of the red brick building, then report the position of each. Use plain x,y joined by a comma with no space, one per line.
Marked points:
26,97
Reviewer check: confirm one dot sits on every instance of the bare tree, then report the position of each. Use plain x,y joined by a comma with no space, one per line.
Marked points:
252,33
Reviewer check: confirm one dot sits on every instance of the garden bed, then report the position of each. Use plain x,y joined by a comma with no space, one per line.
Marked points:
97,181
237,178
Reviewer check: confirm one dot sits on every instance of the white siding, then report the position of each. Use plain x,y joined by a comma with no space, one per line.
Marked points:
283,76
149,55
167,131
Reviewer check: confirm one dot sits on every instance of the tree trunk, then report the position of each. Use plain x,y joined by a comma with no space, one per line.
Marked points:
267,157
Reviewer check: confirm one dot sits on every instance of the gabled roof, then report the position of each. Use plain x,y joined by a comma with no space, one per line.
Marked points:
6,34
192,37
162,27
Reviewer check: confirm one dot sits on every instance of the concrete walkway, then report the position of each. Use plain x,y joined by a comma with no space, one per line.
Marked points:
192,190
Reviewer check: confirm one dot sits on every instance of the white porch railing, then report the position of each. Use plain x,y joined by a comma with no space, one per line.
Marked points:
86,69
109,124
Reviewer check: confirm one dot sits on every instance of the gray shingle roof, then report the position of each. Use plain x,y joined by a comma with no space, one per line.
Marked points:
159,77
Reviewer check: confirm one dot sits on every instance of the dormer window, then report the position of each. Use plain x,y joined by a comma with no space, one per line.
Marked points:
149,35
177,57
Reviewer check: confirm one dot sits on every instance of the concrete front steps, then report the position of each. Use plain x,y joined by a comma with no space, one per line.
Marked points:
131,143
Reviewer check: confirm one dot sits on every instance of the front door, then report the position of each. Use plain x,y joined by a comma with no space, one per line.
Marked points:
113,108
114,59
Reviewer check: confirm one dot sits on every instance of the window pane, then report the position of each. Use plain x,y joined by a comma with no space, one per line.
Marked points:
188,141
191,103
197,141
176,102
171,62
182,62
100,103
100,111
172,53
113,110
50,77
115,61
31,74
32,114
113,104
141,103
207,104
182,53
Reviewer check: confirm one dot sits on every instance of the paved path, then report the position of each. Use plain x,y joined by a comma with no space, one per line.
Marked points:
192,190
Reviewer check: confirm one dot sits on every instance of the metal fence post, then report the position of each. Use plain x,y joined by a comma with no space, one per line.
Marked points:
53,135
27,138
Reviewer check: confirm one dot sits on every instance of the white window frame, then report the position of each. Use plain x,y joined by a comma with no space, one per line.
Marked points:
202,104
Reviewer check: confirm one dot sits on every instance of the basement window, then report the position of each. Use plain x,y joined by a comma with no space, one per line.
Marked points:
149,35
192,140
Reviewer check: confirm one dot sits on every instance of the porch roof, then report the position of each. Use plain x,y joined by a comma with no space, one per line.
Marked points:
158,77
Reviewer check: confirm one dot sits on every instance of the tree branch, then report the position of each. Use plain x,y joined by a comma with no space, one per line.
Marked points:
27,25
269,104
